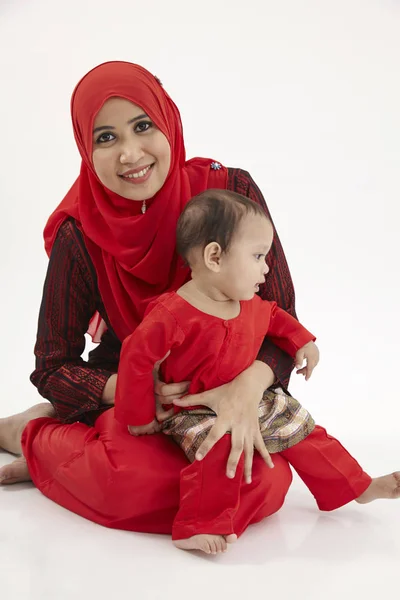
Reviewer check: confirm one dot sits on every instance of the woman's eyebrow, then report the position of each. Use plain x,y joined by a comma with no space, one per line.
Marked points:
108,127
143,116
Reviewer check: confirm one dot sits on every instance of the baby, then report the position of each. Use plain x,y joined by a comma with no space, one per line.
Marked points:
212,329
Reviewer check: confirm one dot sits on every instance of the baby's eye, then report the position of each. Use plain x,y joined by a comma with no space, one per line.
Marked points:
143,126
104,138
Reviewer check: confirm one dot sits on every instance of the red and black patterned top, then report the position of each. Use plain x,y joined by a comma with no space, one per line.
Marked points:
71,297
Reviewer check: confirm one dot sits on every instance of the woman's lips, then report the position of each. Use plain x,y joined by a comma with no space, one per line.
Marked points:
137,176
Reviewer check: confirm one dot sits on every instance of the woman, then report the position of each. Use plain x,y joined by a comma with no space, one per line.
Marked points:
111,244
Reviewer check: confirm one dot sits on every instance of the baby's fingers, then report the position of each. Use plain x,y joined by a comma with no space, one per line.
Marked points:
311,364
309,370
299,359
301,371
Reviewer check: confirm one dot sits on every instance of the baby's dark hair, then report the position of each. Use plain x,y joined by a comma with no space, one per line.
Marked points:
212,216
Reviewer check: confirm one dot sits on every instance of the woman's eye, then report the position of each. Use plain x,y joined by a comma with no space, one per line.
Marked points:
104,138
259,256
143,126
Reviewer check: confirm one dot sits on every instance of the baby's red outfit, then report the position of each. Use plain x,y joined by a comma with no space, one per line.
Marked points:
209,351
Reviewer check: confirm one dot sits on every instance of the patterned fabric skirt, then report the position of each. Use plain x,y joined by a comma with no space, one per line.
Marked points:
283,423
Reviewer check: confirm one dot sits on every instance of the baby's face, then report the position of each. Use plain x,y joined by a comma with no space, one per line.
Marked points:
243,267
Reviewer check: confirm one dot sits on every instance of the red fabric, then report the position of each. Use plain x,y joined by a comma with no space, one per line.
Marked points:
210,502
94,472
104,474
205,350
331,474
133,254
75,386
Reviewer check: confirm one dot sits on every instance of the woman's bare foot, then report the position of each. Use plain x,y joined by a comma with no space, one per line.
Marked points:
387,486
15,472
210,544
11,428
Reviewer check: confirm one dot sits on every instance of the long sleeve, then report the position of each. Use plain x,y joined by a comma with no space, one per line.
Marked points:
286,332
70,298
156,335
278,285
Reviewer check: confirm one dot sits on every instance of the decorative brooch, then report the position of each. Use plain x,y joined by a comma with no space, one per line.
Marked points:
215,166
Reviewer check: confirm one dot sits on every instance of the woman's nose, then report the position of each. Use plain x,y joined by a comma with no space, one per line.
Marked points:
265,269
131,153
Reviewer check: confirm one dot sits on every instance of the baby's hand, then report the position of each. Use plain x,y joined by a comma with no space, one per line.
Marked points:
153,427
310,353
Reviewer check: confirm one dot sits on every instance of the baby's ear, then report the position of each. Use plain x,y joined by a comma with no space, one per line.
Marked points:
212,256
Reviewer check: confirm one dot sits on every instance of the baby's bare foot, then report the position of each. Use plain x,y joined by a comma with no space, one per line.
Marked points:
387,486
15,472
209,544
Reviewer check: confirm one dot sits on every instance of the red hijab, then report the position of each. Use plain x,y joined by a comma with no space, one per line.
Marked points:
133,253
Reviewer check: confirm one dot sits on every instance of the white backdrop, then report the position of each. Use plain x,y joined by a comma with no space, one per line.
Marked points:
304,95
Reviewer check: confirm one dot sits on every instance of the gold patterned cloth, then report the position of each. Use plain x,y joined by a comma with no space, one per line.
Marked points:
283,423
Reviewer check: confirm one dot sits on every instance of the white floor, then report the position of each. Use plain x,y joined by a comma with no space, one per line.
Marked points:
47,553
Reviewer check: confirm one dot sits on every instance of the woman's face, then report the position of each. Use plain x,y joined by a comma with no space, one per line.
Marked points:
131,156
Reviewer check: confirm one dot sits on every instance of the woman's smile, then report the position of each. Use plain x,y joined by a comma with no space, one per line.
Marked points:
137,176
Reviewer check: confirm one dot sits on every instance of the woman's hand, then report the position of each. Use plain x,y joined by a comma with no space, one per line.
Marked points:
236,406
153,427
166,393
310,354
